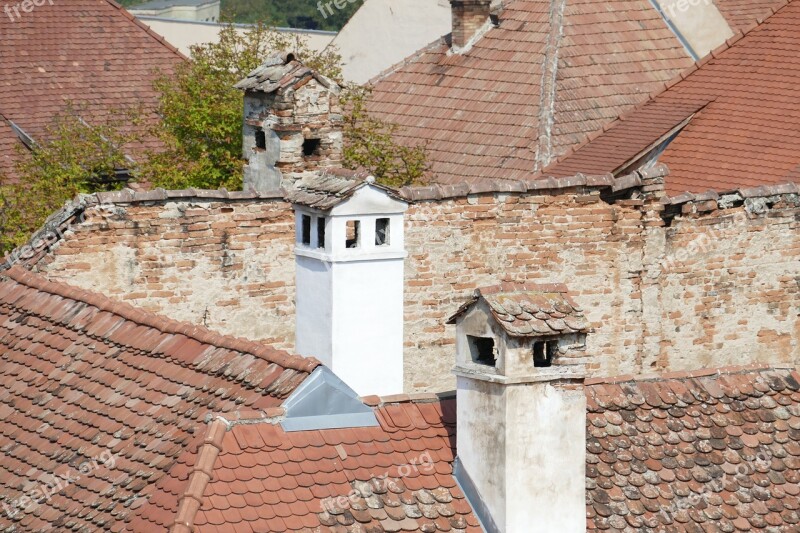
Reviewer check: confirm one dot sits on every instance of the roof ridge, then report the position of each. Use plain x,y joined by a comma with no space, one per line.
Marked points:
681,76
687,374
147,29
192,497
160,322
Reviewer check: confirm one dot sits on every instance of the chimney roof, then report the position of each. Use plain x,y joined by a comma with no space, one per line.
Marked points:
331,187
530,309
281,71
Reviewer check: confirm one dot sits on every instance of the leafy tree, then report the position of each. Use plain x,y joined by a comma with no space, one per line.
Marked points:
202,113
369,144
305,14
78,158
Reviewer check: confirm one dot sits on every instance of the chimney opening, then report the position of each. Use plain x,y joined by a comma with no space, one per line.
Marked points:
382,232
544,352
261,140
482,350
353,234
305,230
321,232
311,147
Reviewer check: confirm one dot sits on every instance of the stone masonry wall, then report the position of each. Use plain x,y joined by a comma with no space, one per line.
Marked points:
709,290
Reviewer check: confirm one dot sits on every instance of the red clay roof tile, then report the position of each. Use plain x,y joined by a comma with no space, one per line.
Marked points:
479,112
743,133
99,387
83,52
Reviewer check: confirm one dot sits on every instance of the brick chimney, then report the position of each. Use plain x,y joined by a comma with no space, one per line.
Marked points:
521,435
292,124
469,16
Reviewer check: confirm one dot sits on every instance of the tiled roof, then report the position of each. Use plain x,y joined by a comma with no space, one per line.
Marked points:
742,13
744,130
705,452
279,72
82,376
331,187
528,309
88,52
252,476
479,112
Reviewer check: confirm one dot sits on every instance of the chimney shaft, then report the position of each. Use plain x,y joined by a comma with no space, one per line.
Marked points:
469,16
522,409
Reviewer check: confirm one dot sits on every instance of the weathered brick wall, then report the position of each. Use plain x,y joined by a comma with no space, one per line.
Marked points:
227,265
699,293
729,291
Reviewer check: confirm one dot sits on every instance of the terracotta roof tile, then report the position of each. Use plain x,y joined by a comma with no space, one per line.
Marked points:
82,376
743,133
360,478
90,52
479,112
693,452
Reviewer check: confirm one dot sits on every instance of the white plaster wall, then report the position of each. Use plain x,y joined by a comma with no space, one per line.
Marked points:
699,21
184,34
368,331
314,332
523,446
545,458
384,32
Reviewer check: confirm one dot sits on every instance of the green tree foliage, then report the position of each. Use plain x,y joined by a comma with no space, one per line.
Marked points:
202,113
200,131
292,14
78,158
369,144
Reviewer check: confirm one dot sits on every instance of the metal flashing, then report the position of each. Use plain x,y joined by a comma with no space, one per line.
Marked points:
479,507
323,401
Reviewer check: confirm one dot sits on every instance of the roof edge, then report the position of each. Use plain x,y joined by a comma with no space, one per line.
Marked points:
682,75
689,374
159,322
192,498
148,30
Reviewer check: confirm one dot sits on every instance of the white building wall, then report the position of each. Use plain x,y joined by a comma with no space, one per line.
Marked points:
384,32
183,34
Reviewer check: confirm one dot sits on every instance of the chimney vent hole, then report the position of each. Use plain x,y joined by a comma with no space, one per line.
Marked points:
482,350
544,352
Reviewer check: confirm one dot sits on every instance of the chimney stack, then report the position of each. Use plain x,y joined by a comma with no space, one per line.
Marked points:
292,124
469,16
349,258
522,408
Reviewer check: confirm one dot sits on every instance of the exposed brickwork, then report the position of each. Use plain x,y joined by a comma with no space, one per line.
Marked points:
728,291
468,17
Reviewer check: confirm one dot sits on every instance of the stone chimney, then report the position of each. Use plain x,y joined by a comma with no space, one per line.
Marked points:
469,16
521,435
349,259
292,124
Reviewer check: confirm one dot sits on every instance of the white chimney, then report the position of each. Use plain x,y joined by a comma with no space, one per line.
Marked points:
349,258
521,435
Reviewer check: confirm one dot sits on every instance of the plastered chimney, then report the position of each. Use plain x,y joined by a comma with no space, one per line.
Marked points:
521,435
469,16
349,258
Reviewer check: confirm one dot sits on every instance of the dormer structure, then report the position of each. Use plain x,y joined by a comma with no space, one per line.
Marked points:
292,123
522,408
349,257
